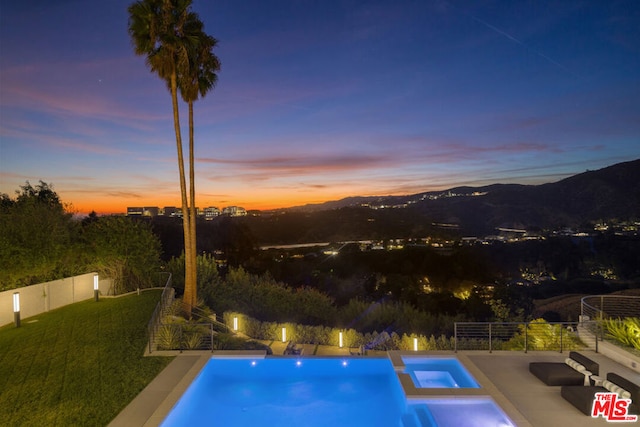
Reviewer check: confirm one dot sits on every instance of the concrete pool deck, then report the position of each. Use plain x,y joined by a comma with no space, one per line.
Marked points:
504,376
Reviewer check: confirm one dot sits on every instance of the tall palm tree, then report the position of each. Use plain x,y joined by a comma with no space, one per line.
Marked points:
157,30
194,81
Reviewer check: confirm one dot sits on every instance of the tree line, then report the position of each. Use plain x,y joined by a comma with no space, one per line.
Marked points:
41,240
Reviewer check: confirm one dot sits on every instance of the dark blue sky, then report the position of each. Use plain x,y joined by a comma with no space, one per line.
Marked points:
319,100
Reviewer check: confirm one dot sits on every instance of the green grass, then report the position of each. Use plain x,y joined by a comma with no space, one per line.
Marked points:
78,365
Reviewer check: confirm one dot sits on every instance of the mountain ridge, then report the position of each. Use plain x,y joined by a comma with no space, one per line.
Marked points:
577,202
611,174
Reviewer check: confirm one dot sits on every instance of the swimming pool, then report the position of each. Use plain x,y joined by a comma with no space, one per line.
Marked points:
311,392
438,372
303,392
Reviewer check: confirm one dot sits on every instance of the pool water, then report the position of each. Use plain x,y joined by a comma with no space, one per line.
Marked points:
305,392
315,392
438,372
467,412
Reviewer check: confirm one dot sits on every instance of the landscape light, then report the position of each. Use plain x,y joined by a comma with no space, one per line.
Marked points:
235,323
340,339
16,308
415,344
284,334
96,288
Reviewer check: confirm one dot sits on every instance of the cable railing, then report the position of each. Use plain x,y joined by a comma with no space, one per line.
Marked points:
600,307
197,334
522,336
560,336
166,300
597,309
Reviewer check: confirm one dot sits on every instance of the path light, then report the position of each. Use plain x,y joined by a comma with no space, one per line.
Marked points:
284,334
235,323
415,344
340,339
96,289
16,308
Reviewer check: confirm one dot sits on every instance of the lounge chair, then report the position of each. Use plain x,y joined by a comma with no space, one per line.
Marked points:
357,352
575,370
292,348
582,397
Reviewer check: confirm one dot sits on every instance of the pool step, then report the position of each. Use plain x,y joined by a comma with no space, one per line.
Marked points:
418,416
410,419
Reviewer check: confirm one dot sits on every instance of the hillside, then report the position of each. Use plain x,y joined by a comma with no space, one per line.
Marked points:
609,193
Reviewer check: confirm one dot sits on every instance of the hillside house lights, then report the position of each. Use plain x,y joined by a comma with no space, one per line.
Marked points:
16,309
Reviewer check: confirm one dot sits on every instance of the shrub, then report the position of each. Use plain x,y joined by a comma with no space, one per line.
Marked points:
626,331
168,337
314,334
541,335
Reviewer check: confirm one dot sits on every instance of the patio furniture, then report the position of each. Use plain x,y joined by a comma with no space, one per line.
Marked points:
575,370
293,349
582,397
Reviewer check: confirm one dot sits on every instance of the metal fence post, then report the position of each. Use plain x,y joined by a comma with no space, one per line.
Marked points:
526,336
561,328
490,339
455,337
601,307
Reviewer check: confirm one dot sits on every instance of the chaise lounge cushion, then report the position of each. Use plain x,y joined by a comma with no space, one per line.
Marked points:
560,373
632,388
582,397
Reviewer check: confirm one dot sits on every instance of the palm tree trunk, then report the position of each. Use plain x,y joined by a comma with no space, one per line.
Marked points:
192,211
189,285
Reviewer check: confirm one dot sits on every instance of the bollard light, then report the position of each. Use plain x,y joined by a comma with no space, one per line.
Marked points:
16,309
235,323
284,334
340,343
96,288
415,344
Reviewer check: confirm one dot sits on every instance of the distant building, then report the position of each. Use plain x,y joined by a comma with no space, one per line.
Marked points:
172,211
150,211
234,211
211,212
208,213
135,211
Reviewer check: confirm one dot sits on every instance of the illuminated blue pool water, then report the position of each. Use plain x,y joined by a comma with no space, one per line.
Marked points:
467,412
438,372
311,392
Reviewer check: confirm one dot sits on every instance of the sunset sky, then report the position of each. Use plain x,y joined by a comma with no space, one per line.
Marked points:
319,100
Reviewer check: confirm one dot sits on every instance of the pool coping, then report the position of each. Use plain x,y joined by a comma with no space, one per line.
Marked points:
155,402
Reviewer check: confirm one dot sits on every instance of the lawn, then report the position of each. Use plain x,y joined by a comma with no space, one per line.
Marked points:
78,365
